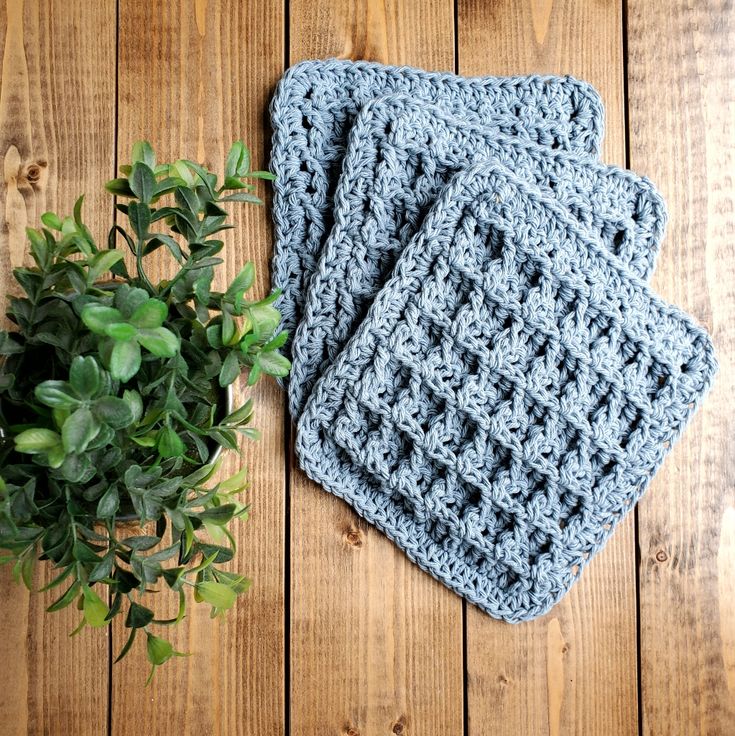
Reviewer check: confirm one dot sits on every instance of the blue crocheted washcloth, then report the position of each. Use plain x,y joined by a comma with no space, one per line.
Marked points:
507,399
314,106
400,154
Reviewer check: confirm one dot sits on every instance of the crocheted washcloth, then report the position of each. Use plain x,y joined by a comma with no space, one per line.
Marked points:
508,397
312,111
400,155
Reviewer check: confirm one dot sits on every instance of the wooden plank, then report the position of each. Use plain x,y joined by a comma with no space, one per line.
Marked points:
574,670
57,104
376,644
193,77
681,73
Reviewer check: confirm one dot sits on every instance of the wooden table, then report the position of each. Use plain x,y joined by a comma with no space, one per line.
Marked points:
340,635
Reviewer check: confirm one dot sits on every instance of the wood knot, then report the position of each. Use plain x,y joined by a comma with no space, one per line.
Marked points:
399,726
350,731
33,175
354,537
503,679
661,556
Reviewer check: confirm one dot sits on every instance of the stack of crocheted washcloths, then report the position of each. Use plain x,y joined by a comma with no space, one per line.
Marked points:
480,367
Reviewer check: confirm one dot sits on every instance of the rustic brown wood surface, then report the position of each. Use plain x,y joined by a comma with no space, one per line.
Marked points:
57,130
681,93
340,635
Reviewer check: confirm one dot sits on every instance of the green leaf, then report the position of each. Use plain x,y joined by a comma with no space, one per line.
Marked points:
97,317
146,441
274,364
216,553
242,197
66,598
125,360
168,184
128,299
180,169
159,341
278,341
27,564
169,443
238,159
39,246
102,262
84,376
134,402
163,239
138,616
119,187
159,650
205,177
68,227
238,583
142,151
188,201
121,331
265,319
78,216
142,542
56,456
113,411
108,505
56,394
37,440
230,369
173,576
151,314
262,175
95,609
143,182
241,415
77,468
79,430
242,282
255,373
219,515
58,579
128,645
51,220
102,570
228,329
214,336
218,595
140,218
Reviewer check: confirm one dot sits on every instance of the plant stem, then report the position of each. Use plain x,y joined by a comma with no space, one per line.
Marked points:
141,271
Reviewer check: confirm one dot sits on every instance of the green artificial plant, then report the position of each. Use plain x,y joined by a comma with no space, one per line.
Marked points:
112,399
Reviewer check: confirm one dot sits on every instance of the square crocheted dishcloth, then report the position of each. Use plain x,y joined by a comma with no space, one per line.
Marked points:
312,111
508,398
400,154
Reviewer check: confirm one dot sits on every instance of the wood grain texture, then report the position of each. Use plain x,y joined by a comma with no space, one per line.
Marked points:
682,125
574,670
193,77
56,141
376,644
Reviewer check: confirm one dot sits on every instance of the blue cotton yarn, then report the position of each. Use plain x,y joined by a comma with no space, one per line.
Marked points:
314,106
507,399
400,154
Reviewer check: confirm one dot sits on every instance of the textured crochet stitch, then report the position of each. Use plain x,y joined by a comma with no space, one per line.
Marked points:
508,398
399,156
314,106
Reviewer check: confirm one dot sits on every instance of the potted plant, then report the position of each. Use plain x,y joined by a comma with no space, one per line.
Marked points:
114,400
